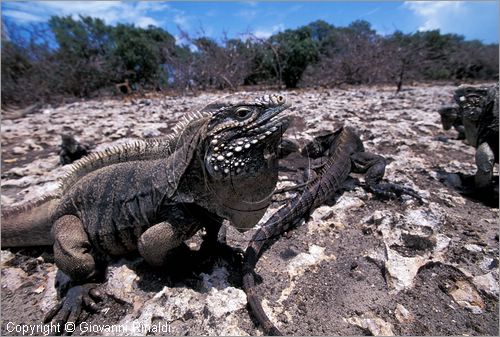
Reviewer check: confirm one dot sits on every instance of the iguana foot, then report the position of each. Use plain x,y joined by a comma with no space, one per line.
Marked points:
233,255
70,308
392,191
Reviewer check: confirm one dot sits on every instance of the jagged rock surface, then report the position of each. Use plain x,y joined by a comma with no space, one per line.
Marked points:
360,266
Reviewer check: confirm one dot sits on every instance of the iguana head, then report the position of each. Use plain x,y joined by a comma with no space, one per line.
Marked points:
449,116
241,157
476,105
240,134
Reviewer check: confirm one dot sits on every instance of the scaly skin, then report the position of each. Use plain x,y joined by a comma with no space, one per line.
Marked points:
346,155
478,107
150,196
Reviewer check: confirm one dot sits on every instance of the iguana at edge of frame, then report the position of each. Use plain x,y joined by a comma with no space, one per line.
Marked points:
478,107
346,154
151,195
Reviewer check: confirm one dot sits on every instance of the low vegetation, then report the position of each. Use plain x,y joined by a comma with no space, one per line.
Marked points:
85,57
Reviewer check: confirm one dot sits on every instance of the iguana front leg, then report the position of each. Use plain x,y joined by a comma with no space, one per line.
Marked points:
373,167
485,160
73,256
157,241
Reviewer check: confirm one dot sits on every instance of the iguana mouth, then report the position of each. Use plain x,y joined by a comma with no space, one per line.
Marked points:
269,118
269,126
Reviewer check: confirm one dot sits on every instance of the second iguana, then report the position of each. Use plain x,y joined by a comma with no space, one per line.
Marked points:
345,154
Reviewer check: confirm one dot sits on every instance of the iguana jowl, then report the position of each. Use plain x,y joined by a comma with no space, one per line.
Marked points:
152,195
346,154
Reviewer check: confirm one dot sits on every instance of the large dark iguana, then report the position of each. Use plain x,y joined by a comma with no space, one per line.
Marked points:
151,195
479,110
346,154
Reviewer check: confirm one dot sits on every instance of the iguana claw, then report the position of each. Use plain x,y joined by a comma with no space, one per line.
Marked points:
70,308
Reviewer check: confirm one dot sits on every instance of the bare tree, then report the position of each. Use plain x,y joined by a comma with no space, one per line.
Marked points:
221,66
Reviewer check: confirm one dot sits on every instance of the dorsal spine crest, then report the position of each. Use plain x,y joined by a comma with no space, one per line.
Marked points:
137,150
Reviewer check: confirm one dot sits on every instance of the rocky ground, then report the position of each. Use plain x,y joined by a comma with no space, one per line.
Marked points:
360,266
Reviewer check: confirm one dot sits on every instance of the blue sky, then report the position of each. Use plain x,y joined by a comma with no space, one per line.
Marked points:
473,19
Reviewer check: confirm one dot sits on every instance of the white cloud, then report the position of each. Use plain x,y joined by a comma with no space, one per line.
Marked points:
152,6
111,12
264,33
436,14
106,10
22,16
144,22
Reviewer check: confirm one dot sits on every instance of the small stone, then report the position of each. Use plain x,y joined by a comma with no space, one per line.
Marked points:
121,282
376,325
13,278
18,150
254,141
238,149
247,146
403,315
473,248
6,256
148,133
220,158
487,283
466,296
229,154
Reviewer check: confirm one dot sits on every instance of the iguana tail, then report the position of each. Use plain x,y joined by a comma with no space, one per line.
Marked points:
29,224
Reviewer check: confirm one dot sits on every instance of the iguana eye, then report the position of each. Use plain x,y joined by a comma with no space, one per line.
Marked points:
242,112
